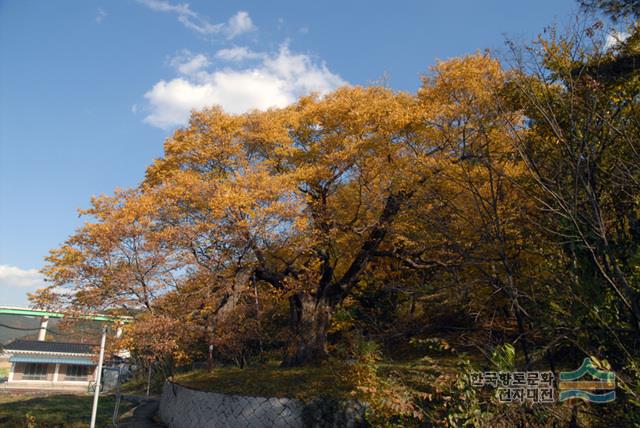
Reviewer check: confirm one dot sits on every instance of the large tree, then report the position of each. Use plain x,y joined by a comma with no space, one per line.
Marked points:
308,200
299,199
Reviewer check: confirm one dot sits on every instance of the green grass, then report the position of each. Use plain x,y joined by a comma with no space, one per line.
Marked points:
272,380
269,380
53,411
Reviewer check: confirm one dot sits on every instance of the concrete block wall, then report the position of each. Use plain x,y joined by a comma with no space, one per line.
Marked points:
181,407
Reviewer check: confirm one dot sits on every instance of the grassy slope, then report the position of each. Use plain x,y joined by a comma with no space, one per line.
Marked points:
64,410
271,380
268,381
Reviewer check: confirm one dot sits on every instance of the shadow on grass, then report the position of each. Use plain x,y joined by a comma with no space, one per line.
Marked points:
304,383
64,410
269,381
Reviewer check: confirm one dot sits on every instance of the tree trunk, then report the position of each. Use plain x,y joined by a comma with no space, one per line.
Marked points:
310,318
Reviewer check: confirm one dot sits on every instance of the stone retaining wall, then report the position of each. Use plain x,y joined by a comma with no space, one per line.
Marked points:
181,407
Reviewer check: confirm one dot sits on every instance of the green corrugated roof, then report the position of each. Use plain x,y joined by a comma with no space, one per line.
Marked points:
44,313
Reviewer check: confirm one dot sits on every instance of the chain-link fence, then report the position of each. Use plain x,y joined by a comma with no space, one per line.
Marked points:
182,407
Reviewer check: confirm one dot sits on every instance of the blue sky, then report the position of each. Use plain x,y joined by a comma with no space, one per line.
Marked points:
90,89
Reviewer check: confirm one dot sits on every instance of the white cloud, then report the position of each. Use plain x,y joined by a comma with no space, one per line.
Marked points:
614,38
171,101
200,25
13,276
238,53
101,15
187,63
238,24
275,81
165,6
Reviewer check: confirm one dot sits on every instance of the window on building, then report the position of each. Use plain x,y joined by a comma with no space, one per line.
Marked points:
35,371
76,372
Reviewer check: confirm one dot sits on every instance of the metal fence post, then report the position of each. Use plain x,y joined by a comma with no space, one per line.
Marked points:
96,393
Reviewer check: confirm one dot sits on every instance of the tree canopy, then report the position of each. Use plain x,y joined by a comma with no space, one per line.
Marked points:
500,201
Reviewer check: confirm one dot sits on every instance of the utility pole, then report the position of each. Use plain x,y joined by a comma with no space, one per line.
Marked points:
96,393
210,359
149,379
